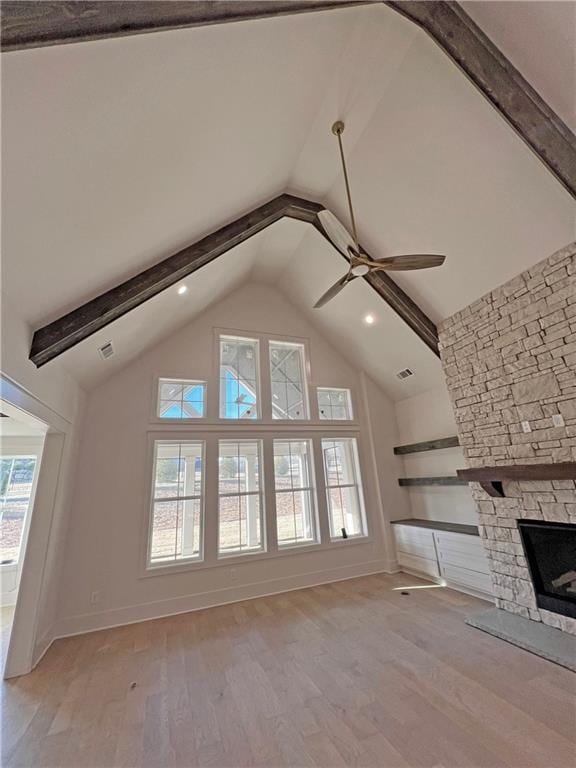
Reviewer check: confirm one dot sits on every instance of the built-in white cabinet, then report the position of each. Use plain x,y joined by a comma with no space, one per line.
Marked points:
416,549
456,557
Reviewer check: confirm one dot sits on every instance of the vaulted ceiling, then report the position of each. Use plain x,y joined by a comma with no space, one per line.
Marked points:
119,152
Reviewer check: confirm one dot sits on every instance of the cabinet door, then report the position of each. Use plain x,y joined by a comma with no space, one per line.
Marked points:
480,582
418,564
461,551
415,541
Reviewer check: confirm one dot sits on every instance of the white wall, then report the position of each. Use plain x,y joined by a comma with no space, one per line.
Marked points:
52,395
426,417
111,501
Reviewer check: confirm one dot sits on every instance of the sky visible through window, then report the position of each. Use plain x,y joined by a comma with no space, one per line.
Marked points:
182,399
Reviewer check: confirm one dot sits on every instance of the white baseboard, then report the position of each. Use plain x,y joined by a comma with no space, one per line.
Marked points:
40,649
42,646
92,622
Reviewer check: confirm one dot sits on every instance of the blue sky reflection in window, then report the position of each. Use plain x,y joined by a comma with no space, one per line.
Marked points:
238,378
181,399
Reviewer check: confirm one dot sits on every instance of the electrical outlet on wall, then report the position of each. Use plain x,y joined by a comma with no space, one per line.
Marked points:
526,426
95,597
233,574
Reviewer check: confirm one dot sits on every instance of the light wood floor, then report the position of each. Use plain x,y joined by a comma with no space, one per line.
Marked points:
349,674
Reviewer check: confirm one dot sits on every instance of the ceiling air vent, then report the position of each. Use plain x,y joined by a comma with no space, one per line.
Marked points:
405,373
106,350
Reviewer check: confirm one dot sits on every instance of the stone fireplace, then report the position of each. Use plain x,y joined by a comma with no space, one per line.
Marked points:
510,366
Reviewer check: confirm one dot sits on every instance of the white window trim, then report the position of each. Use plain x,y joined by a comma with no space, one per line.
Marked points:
250,431
149,566
261,493
350,398
170,424
313,489
358,485
241,336
189,382
304,358
211,377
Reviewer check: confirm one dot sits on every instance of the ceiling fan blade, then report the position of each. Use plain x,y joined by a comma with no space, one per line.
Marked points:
336,232
334,290
414,261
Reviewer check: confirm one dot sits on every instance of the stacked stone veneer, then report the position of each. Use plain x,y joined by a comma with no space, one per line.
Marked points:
511,357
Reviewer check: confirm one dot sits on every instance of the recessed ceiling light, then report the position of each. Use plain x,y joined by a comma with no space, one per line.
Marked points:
369,319
182,289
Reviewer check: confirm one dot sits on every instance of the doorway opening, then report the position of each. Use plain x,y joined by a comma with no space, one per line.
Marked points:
22,438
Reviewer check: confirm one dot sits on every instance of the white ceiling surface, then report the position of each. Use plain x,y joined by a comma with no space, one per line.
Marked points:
16,423
11,428
539,38
297,260
119,152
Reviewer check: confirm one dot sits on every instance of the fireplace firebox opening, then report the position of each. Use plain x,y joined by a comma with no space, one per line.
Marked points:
550,550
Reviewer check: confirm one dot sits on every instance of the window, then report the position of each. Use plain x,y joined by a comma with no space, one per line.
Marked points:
287,379
343,490
223,475
295,497
177,504
334,404
240,505
179,399
238,378
16,481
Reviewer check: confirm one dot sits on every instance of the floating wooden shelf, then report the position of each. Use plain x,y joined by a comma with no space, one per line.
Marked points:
428,445
417,481
436,525
491,478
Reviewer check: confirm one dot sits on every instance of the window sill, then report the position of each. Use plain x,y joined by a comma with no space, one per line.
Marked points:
234,560
239,425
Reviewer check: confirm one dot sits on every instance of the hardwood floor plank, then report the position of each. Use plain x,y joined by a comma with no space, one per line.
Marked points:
346,674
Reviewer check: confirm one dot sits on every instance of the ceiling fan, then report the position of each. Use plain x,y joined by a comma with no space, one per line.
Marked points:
360,263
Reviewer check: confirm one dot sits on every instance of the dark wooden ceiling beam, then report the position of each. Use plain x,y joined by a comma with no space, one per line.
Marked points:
41,22
55,338
499,81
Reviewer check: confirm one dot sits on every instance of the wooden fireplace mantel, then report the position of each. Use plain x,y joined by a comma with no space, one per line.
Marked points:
491,478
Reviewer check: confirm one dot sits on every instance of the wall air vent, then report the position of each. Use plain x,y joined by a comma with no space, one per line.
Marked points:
106,350
405,373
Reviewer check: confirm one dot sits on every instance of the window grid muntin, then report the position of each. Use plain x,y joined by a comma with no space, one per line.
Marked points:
327,411
290,412
251,385
257,494
179,401
180,500
308,490
357,513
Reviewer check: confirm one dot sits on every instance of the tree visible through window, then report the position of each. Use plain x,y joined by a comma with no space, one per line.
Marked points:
295,495
177,505
240,507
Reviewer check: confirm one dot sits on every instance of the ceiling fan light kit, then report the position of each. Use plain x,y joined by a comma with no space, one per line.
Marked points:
360,263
